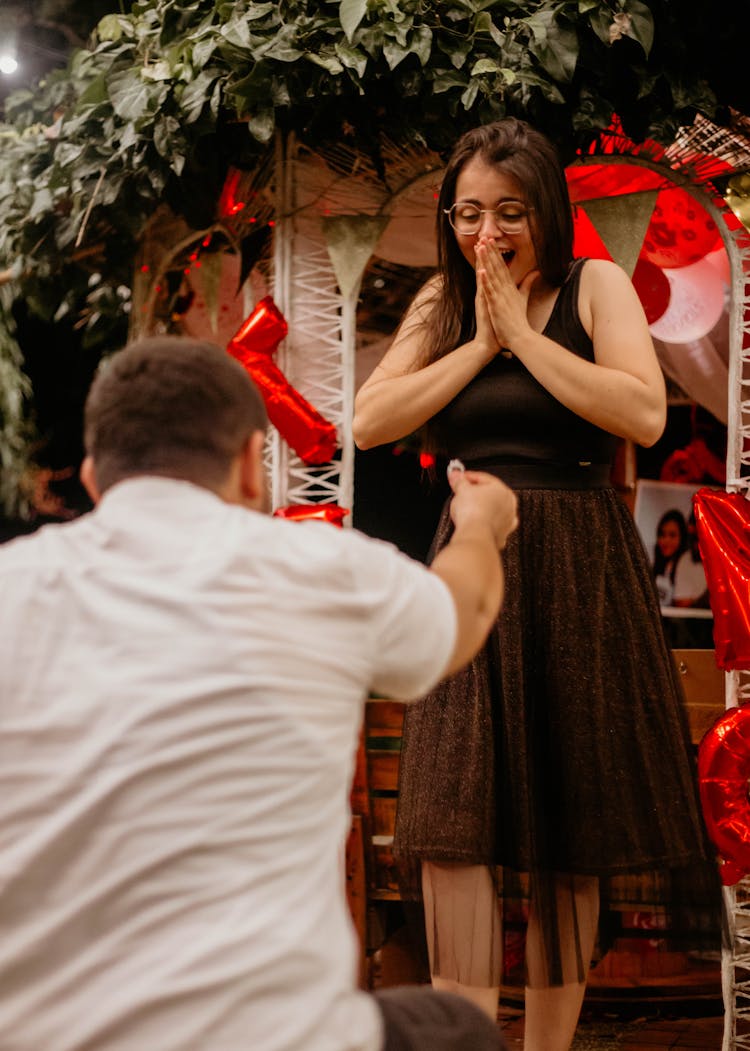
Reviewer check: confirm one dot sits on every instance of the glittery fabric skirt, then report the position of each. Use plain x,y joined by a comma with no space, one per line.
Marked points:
563,747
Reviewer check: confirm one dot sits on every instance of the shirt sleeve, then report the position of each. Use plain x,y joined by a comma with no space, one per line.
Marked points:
411,616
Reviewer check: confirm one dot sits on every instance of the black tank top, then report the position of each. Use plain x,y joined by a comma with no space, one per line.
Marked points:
504,416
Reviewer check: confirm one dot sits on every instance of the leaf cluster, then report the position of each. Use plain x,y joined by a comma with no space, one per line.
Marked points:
171,93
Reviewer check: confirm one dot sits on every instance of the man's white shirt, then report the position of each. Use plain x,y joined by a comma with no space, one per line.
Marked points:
181,689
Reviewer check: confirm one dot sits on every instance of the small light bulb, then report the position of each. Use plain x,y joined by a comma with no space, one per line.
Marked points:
8,64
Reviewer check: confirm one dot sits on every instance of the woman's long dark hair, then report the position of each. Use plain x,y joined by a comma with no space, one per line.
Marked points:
520,151
664,565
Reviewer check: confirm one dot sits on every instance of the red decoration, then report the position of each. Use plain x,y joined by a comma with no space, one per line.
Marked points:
723,526
311,436
229,205
680,232
591,182
652,287
314,512
723,773
261,332
695,462
587,244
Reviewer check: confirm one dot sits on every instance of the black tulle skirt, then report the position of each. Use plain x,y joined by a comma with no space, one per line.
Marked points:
564,746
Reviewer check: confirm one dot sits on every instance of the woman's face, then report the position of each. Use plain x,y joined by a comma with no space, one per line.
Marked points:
668,539
485,185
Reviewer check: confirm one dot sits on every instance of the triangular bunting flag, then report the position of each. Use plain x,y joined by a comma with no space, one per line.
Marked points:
350,240
621,222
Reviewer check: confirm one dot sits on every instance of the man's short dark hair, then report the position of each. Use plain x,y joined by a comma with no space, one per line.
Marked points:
170,406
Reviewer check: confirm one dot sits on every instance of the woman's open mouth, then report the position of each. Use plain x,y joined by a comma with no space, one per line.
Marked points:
508,256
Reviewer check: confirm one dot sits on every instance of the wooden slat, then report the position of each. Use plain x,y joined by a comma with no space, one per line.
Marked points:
382,771
382,716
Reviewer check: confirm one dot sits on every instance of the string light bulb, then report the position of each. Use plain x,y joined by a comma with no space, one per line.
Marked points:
8,63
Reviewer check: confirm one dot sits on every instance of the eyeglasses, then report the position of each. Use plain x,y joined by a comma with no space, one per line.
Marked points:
466,218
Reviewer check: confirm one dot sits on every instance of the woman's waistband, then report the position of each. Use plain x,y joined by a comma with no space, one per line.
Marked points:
582,475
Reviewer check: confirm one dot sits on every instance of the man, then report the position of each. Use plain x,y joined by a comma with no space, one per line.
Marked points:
182,684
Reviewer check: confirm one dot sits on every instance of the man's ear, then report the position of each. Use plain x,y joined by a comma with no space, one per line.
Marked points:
252,473
88,479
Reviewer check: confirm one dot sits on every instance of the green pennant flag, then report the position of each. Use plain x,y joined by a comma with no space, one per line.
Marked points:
621,222
350,240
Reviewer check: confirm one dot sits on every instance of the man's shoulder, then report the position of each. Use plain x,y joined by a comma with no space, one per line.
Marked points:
41,546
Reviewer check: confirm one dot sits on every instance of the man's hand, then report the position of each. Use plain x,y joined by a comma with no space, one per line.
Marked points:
482,499
483,511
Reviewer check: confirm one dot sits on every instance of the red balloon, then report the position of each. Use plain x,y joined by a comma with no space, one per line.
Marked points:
723,773
311,436
262,331
680,232
652,287
312,512
723,526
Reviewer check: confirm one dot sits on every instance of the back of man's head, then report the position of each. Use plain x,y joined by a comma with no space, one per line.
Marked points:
170,406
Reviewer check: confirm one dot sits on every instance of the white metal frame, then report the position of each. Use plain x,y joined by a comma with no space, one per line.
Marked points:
317,356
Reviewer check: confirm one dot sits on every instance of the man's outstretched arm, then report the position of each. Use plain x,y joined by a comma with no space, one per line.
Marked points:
483,511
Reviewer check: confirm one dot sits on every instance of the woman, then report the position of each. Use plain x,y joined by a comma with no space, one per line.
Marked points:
671,543
689,577
561,754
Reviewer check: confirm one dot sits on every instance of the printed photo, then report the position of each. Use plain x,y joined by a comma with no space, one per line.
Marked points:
664,516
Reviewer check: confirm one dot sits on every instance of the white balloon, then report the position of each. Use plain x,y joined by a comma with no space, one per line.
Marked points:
719,260
695,304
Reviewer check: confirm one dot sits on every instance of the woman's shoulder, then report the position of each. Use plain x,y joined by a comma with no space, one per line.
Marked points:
601,270
603,284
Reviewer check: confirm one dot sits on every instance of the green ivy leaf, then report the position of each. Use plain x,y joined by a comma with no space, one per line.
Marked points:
157,71
256,11
421,44
549,90
485,65
42,203
109,28
262,125
469,96
202,51
195,96
484,24
129,95
327,62
95,93
601,21
351,13
352,58
394,53
447,80
554,45
641,24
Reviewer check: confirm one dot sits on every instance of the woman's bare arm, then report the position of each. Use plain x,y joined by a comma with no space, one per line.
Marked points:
400,396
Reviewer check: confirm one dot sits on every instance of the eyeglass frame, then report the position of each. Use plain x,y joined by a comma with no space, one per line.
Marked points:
482,211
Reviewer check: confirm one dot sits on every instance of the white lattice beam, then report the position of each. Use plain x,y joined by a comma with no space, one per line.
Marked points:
318,355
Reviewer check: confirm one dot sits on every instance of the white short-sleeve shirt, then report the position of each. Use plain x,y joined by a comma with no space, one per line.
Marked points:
181,686
689,578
